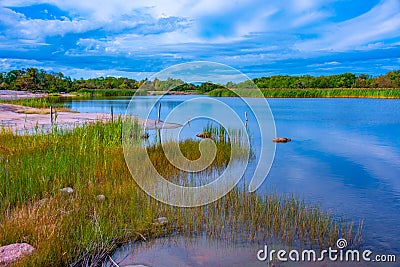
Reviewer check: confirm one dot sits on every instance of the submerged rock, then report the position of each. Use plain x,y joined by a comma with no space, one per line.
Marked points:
161,221
12,253
281,140
145,136
67,191
204,135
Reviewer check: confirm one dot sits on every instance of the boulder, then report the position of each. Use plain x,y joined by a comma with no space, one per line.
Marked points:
281,140
12,253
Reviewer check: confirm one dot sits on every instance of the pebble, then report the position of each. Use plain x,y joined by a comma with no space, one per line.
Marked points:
101,198
67,191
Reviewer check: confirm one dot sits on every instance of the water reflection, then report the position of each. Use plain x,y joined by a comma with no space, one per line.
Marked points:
185,251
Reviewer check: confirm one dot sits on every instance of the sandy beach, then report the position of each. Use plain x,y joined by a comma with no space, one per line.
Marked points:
13,95
16,119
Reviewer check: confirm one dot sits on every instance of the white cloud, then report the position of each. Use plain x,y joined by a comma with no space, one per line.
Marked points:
20,29
382,21
308,18
246,16
15,63
304,5
240,33
36,29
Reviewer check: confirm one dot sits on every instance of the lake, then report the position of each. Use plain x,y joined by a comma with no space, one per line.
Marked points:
344,155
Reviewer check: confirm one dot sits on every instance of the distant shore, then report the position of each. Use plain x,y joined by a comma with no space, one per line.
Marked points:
385,93
14,95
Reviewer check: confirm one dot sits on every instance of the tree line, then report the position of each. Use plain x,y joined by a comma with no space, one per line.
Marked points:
35,80
32,79
346,80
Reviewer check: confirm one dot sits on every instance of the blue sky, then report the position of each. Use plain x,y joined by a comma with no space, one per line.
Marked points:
258,37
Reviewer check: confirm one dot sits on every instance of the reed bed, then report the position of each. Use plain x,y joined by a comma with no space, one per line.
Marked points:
80,230
110,92
312,93
40,102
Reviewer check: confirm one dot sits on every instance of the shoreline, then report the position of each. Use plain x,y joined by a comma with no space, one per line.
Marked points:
13,117
16,95
377,93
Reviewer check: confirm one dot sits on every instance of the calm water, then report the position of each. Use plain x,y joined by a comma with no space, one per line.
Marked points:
344,156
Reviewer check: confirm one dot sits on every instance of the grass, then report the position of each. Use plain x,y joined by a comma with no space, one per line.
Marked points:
110,92
312,93
79,230
43,110
40,102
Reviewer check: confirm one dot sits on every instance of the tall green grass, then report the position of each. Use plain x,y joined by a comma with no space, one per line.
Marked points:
40,102
111,92
313,93
79,230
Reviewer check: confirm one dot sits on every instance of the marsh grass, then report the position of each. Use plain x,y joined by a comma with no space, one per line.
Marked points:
79,230
311,93
40,102
221,135
44,110
110,92
190,149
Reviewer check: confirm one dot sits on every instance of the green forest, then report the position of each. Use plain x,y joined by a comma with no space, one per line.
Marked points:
35,80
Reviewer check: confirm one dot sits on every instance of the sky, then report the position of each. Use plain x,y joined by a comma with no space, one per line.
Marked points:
129,38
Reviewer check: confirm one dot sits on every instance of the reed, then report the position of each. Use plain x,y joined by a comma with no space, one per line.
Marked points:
79,230
110,92
39,102
312,93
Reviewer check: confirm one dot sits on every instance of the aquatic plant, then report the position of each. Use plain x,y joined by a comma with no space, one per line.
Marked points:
39,102
78,229
312,93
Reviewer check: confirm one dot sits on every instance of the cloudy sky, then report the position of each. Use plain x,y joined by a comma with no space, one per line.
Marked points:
87,38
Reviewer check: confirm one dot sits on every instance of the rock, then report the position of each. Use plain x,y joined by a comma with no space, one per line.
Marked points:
101,198
145,136
281,140
12,253
161,221
204,135
67,191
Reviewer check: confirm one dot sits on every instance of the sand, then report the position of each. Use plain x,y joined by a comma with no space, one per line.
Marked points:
13,118
13,95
